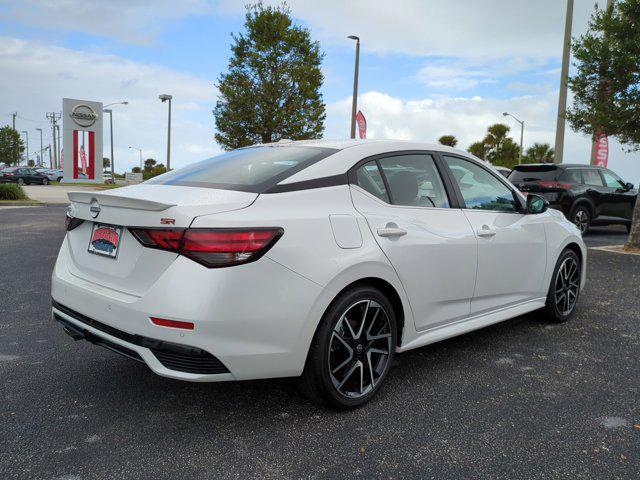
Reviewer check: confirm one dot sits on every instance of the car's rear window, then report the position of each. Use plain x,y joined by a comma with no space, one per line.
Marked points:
531,173
254,169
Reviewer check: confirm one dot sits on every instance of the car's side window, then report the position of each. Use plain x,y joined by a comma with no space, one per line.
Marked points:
479,188
368,177
572,175
414,181
592,177
612,180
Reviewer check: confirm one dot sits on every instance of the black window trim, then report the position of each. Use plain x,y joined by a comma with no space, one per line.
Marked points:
440,168
520,207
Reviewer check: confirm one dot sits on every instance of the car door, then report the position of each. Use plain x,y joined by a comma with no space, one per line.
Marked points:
511,245
621,199
598,193
426,238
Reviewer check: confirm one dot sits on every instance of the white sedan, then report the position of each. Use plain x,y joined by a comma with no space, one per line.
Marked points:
311,259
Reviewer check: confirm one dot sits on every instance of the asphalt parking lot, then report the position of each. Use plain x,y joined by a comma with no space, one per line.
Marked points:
524,399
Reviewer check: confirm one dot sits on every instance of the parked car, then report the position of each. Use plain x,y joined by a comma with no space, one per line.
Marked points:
22,176
504,171
315,259
587,195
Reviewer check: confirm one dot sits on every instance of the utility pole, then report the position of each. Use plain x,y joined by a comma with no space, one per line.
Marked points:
594,144
354,102
164,97
14,115
53,117
41,153
564,74
26,134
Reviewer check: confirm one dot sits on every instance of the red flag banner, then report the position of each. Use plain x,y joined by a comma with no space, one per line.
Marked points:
602,150
362,124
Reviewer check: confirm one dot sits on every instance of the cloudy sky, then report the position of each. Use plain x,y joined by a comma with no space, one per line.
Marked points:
428,67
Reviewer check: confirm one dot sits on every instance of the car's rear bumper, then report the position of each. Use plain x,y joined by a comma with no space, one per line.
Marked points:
252,319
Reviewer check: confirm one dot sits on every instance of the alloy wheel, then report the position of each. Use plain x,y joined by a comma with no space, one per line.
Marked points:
359,349
567,286
581,220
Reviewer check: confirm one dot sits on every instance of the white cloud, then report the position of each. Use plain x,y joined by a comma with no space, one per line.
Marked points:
460,28
468,118
134,21
35,77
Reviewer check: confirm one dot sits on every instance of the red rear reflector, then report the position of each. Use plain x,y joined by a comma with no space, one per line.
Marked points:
212,247
172,323
550,184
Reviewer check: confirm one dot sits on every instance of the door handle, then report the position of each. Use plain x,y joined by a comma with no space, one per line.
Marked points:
391,232
485,231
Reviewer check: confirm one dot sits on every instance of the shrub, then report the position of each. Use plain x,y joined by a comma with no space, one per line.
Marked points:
12,191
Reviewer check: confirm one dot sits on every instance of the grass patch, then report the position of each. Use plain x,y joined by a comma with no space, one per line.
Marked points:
12,191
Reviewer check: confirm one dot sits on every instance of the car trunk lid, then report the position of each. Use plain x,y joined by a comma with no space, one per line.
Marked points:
134,269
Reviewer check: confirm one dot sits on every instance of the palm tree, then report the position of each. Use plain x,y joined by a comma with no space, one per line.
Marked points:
449,140
539,153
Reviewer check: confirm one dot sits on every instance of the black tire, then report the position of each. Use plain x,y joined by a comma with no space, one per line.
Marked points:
45,181
581,218
20,181
558,311
59,179
318,382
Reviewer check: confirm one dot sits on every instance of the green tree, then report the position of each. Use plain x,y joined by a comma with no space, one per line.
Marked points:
496,147
479,149
539,153
272,88
106,163
606,85
149,164
135,170
449,140
501,149
11,146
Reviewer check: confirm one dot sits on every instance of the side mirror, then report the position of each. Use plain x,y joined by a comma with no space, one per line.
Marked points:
536,204
628,186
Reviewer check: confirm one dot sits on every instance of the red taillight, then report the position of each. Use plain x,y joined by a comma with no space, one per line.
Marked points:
212,247
552,184
164,239
172,323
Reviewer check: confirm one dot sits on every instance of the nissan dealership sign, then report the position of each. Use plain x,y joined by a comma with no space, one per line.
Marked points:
82,129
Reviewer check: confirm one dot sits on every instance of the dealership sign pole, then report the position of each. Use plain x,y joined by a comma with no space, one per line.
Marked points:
79,116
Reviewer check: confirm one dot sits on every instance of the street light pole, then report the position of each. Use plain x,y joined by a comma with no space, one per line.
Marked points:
164,97
26,134
41,154
521,122
140,152
110,112
354,102
564,74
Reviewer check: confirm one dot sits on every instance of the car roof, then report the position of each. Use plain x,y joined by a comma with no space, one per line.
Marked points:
350,152
558,165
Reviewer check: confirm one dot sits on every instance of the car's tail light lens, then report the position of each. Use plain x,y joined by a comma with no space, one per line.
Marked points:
552,184
212,247
164,239
71,222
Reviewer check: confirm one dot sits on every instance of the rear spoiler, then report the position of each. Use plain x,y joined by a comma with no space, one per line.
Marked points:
111,200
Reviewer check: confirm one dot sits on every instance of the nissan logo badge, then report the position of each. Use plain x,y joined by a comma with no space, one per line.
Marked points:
95,208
